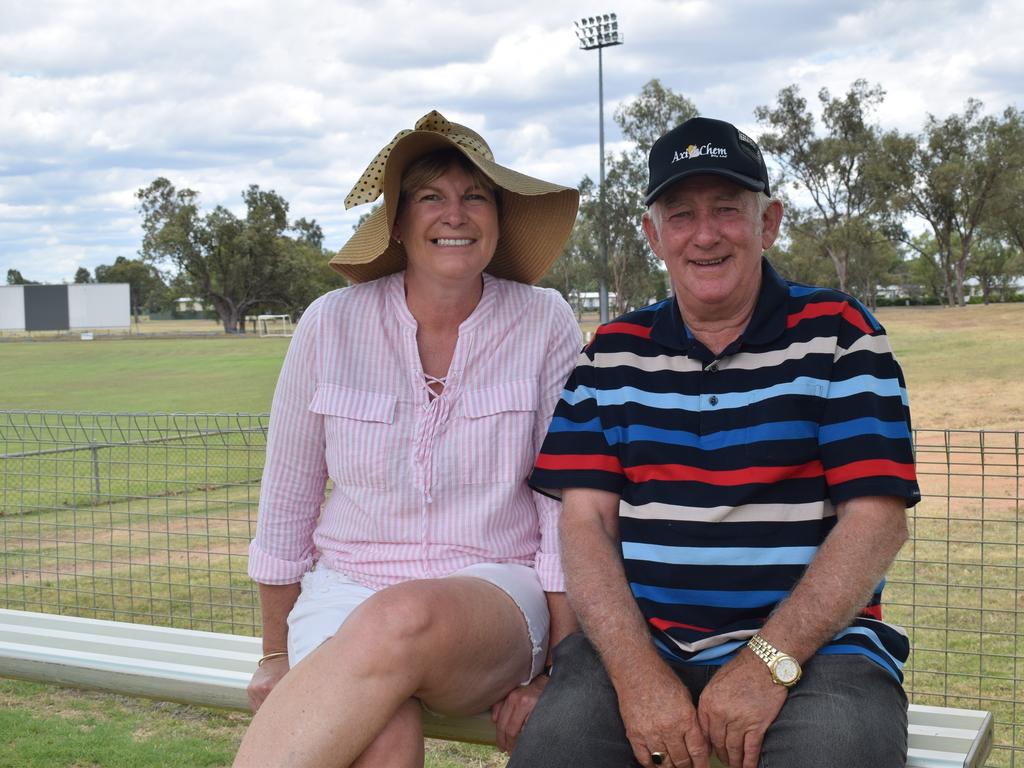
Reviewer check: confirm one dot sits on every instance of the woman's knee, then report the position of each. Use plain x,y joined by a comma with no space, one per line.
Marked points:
389,629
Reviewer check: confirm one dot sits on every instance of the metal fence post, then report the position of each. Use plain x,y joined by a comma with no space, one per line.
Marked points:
95,470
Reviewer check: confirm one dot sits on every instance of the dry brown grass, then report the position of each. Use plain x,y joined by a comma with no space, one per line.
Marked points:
964,366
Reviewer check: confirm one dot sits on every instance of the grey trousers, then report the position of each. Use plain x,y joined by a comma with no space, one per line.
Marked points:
846,711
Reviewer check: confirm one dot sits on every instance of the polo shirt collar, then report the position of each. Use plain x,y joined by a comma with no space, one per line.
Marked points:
766,324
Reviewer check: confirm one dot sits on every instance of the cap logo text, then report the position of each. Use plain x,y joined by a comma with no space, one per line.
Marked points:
705,150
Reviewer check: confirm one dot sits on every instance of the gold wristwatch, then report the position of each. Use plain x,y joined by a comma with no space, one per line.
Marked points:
784,668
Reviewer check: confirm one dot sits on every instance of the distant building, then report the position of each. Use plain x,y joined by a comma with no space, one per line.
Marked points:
87,306
590,301
188,304
972,289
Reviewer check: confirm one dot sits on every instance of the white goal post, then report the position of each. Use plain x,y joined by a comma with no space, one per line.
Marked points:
274,325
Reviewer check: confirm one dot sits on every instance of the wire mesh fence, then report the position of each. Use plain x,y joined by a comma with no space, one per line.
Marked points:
132,517
147,518
958,584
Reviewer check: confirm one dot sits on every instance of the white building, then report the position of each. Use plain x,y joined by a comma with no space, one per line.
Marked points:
86,306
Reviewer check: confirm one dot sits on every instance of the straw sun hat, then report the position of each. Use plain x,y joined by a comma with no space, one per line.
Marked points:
535,221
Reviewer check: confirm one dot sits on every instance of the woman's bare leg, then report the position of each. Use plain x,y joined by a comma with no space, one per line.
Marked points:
400,744
457,644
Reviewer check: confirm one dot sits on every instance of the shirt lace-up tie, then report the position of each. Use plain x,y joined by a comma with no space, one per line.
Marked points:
435,413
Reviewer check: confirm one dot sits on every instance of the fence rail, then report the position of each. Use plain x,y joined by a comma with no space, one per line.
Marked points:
147,518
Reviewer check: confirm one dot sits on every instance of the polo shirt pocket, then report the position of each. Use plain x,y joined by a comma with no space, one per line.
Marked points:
358,434
786,432
496,438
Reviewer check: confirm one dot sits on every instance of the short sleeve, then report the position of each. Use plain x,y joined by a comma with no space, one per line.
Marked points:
864,436
576,452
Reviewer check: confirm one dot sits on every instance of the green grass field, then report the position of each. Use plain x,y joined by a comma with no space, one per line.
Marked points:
43,726
217,374
964,369
959,588
73,728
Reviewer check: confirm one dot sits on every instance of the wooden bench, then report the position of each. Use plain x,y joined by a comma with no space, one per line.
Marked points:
213,669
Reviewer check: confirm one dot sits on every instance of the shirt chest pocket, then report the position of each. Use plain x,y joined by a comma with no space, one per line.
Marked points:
358,434
787,430
496,438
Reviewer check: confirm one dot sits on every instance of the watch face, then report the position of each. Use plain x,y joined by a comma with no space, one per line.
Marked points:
787,670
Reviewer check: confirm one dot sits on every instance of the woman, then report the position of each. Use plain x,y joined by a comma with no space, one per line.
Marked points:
423,393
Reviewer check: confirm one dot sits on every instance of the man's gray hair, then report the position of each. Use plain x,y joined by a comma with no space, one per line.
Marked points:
763,201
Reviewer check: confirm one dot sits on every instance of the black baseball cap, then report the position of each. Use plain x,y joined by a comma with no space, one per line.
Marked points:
705,146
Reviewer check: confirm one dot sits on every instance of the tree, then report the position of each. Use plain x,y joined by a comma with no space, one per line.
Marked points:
237,265
832,170
572,273
800,256
146,286
949,176
309,273
14,278
1006,217
632,272
923,268
877,263
82,276
654,112
995,265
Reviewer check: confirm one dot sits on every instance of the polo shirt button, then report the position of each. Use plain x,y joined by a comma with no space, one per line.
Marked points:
713,399
713,367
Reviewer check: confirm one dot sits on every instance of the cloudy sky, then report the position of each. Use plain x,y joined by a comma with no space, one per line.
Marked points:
99,97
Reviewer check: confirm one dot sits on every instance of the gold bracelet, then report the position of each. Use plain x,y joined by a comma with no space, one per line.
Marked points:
269,656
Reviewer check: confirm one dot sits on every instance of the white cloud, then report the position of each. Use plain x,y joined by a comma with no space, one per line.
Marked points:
98,99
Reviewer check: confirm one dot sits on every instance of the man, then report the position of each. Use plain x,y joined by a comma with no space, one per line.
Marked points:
734,465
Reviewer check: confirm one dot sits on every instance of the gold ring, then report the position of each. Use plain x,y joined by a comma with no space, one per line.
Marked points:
658,757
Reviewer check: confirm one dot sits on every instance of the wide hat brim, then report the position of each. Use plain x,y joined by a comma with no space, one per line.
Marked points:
536,218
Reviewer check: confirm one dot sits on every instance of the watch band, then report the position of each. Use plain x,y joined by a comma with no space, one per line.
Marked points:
764,650
785,669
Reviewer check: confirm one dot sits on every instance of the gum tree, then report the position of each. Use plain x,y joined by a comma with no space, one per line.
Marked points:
951,176
235,264
831,170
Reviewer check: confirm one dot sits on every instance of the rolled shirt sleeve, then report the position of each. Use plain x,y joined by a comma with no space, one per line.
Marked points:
565,343
295,473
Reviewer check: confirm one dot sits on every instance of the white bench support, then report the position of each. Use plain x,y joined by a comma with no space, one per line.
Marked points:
213,669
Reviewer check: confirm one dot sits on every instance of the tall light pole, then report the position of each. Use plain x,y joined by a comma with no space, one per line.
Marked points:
600,32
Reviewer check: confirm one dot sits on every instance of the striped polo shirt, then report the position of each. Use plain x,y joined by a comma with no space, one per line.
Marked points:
729,467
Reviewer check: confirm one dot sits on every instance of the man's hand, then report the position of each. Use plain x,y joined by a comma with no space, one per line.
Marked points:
656,707
659,716
737,707
264,679
511,713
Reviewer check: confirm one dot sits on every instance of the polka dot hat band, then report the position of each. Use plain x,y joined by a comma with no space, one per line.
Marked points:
371,183
536,216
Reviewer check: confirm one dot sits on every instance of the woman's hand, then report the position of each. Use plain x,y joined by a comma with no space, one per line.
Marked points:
264,679
511,713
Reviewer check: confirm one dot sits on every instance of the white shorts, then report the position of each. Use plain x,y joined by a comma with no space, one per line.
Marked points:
329,597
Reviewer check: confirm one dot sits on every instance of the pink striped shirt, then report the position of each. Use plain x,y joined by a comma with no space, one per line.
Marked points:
421,486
